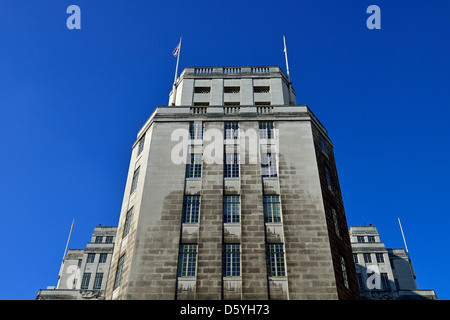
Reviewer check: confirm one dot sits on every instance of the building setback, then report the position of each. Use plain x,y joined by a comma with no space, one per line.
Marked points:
383,274
232,193
84,272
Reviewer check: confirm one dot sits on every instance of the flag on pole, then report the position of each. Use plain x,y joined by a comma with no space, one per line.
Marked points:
176,53
177,50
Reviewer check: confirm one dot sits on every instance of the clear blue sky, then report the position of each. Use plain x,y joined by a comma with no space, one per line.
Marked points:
72,102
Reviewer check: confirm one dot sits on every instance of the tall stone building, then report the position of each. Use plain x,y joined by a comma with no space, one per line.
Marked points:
84,272
383,274
232,193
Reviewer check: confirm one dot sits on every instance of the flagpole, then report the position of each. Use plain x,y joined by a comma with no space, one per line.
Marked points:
70,233
176,73
291,99
403,235
286,57
406,247
65,251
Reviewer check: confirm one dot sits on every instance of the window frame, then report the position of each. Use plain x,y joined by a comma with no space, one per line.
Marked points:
90,257
344,272
276,262
187,260
194,166
127,224
231,165
266,130
135,180
103,258
196,130
119,271
231,209
232,260
231,130
85,281
141,145
272,209
269,164
191,209
98,281
379,257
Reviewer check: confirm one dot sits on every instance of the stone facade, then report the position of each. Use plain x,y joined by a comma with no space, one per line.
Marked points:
300,255
84,272
383,274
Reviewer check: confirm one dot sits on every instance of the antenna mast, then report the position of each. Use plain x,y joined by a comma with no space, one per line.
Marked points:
64,256
406,247
70,233
291,98
404,240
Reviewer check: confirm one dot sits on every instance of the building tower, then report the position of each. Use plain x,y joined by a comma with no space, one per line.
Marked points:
383,273
84,272
232,193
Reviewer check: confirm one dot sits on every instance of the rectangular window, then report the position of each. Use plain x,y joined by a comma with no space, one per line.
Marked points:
231,209
135,180
202,89
384,281
119,272
102,258
344,272
272,211
85,281
141,145
194,166
126,228
90,257
323,146
109,239
232,260
98,281
187,264
191,208
367,258
98,239
266,130
268,164
362,286
196,130
355,257
275,260
231,165
380,257
360,239
337,229
261,89
371,239
231,130
231,89
328,177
